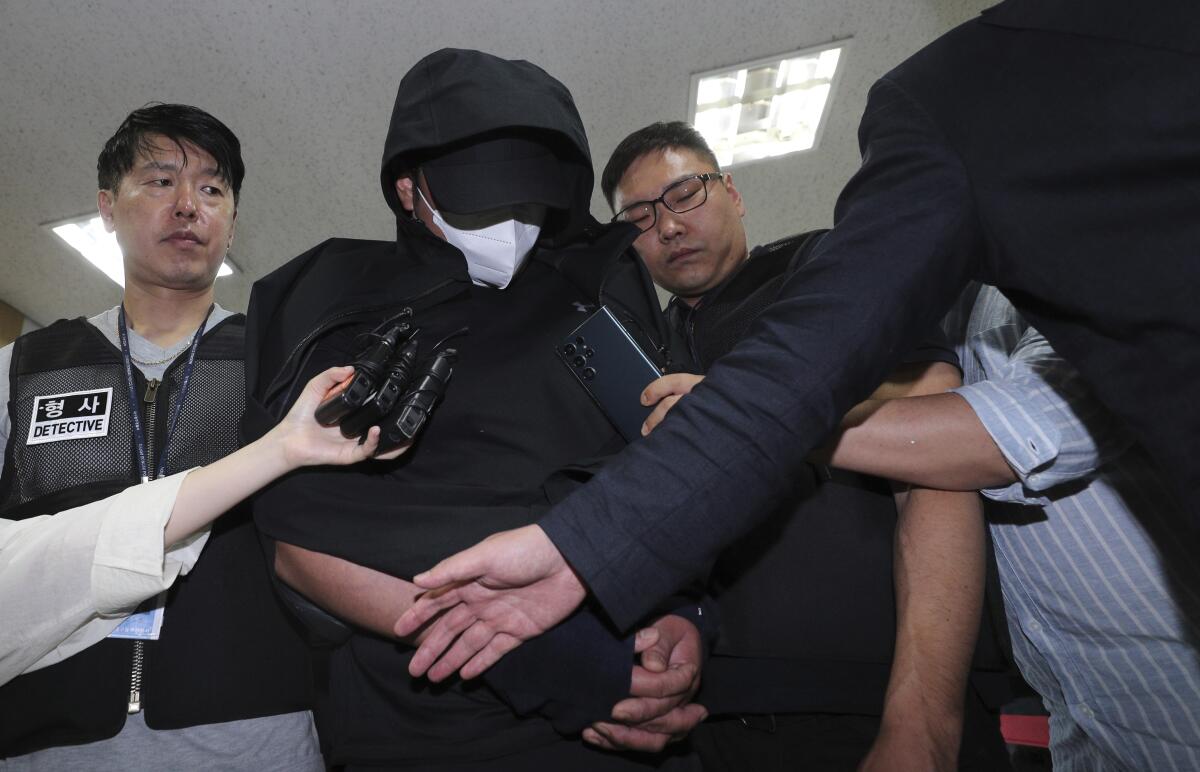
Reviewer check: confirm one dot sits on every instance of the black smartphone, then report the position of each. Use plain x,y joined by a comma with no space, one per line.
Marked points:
613,368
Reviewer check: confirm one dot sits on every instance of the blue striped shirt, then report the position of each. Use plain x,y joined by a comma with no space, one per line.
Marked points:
1100,584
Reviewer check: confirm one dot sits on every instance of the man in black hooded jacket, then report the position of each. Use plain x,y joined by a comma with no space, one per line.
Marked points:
502,141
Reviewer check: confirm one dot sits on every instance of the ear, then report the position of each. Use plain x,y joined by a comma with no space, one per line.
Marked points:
735,195
104,202
404,190
232,228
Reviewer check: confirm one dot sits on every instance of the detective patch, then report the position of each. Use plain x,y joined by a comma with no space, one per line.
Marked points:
72,416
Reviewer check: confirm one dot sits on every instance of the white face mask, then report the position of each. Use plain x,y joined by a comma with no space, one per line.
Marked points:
495,251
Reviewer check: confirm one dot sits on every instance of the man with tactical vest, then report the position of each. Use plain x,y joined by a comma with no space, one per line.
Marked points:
209,672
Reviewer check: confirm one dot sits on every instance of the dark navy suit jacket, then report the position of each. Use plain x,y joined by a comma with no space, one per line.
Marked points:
1049,147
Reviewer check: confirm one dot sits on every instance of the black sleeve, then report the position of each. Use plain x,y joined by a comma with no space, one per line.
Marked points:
572,675
935,347
576,672
902,248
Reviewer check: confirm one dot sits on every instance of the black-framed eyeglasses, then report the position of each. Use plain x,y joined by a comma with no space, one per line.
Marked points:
682,196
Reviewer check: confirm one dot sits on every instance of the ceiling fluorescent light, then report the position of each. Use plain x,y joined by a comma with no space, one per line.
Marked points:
765,108
86,235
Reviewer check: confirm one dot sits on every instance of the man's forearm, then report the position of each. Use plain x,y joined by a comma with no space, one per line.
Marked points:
939,576
934,440
363,596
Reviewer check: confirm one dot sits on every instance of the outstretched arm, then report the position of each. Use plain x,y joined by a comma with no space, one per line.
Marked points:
935,440
905,228
1030,425
573,675
97,562
510,587
297,441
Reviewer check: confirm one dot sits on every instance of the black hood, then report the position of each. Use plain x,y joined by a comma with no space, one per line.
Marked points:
453,97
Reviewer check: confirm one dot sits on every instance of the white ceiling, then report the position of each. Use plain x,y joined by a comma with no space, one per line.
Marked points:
308,88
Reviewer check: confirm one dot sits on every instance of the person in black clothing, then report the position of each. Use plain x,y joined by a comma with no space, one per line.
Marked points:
486,167
1043,148
808,614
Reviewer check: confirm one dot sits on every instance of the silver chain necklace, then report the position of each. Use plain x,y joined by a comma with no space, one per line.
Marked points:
171,355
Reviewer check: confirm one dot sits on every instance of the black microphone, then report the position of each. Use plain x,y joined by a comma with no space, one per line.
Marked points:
351,393
399,371
413,411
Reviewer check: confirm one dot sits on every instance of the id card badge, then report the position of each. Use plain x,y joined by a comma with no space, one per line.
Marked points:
143,625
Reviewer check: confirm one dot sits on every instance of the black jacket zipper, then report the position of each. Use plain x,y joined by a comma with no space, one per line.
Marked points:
149,400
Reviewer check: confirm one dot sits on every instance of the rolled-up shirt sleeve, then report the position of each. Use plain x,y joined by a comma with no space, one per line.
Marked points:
1043,418
68,579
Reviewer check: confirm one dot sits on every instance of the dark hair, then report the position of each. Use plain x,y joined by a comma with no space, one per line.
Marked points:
655,137
180,124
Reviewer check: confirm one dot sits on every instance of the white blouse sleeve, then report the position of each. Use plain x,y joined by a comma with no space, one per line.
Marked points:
68,579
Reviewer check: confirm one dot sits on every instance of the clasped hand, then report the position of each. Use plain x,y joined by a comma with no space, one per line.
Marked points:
515,585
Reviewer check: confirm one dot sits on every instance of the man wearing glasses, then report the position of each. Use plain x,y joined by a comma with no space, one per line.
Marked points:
687,272
809,619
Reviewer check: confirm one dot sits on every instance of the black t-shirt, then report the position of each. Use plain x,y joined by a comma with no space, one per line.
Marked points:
512,415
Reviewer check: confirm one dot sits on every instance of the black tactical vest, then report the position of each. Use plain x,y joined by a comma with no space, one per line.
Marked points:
226,650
